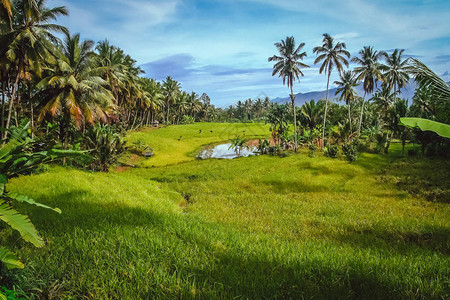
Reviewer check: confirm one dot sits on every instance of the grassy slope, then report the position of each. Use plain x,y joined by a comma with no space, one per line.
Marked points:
176,144
251,227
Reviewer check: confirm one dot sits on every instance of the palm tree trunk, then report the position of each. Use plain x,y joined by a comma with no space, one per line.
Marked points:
3,103
325,114
32,121
295,118
349,117
11,102
362,111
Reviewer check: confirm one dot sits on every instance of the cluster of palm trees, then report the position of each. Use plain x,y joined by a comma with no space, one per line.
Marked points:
332,55
248,110
76,82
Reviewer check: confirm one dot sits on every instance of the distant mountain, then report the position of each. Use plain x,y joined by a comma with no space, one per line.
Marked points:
300,98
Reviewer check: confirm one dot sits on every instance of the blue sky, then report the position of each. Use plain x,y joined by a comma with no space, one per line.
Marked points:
221,47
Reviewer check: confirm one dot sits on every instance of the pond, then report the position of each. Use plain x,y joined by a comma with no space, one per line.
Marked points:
224,151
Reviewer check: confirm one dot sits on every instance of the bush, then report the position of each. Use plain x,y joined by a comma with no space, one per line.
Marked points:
349,151
333,151
188,120
106,146
312,149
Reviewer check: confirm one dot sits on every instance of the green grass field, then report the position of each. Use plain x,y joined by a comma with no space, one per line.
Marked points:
257,227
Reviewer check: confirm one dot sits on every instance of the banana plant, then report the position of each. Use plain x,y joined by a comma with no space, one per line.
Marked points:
17,157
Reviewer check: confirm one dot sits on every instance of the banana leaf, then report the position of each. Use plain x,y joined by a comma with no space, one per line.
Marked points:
427,125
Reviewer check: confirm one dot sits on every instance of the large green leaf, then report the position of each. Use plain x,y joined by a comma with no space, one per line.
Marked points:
427,125
20,223
9,259
26,199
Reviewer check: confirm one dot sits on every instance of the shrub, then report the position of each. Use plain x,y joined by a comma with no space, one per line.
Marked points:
333,151
312,149
263,146
349,151
188,120
106,146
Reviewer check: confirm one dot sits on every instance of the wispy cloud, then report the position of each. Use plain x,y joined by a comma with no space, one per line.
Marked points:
221,47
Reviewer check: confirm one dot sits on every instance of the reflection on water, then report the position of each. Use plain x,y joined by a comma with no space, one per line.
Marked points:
224,151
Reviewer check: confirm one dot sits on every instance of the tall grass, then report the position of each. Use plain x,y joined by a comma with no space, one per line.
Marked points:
257,227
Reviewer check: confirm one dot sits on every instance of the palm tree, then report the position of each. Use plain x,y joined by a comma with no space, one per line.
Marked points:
287,65
369,71
346,87
332,55
311,113
109,62
171,89
384,98
397,70
426,78
194,103
182,105
72,89
398,110
28,44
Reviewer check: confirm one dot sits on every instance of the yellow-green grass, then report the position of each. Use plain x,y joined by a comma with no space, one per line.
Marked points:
257,227
177,144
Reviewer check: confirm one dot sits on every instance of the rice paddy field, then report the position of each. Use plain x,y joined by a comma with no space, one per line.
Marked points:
297,227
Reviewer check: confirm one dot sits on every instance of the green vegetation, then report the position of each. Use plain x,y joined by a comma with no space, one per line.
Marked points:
177,144
165,224
251,227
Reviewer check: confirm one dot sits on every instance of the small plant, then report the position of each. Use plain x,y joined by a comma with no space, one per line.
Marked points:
187,119
263,146
238,144
140,148
106,146
312,149
349,151
332,151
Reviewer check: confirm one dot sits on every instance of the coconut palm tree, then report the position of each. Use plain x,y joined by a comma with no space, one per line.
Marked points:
171,89
72,89
346,89
333,56
28,44
426,78
397,70
194,103
287,65
370,71
311,113
110,63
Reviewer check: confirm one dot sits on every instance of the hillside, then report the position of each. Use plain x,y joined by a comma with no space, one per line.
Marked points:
300,98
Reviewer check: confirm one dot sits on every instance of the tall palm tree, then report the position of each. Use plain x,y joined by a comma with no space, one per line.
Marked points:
333,56
72,89
397,70
110,63
171,89
287,65
346,89
195,105
182,105
28,44
370,71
